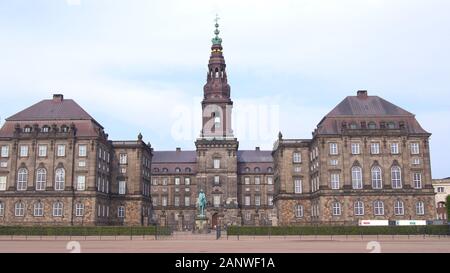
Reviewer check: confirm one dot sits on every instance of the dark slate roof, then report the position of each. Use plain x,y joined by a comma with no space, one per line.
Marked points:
369,109
367,106
65,109
254,156
174,157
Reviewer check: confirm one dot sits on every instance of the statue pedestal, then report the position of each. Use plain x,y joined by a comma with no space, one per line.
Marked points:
201,225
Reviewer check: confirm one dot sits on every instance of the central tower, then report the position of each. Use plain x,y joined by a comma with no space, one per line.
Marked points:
216,146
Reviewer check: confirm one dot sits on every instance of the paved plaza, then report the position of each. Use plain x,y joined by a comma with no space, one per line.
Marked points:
245,244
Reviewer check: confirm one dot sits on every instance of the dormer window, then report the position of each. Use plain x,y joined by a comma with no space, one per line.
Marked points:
372,125
165,170
391,125
64,129
27,129
353,126
177,170
45,129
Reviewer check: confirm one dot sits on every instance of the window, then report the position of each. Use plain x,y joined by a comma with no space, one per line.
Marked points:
257,180
177,181
357,178
5,151
299,211
123,170
378,208
420,208
42,150
38,210
176,201
2,209
440,189
60,177
333,149
396,177
399,208
165,181
123,159
22,179
334,162
248,216
27,129
416,161
417,180
23,151
41,179
269,170
61,150
415,149
335,181
372,125
79,210
270,200
82,150
187,201
375,148
58,209
2,183
81,183
269,180
4,164
216,180
257,200
355,149
353,126
336,208
177,170
247,180
45,129
216,163
122,187
257,170
164,201
394,148
121,212
297,169
359,208
297,157
377,181
216,200
19,209
247,201
187,170
187,181
297,186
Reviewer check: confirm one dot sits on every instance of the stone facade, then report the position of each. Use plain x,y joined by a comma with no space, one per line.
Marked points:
367,159
442,189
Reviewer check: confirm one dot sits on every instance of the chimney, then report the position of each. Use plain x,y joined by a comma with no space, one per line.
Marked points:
257,149
362,93
178,149
58,97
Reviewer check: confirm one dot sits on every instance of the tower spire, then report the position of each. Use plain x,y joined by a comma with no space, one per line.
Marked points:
217,40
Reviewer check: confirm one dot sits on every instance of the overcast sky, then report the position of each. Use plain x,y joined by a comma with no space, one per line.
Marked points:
140,65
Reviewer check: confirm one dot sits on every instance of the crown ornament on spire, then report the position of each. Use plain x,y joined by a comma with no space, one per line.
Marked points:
217,40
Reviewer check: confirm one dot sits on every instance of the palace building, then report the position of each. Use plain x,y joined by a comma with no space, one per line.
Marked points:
367,159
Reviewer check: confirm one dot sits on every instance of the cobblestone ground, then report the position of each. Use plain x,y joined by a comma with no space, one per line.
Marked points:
181,243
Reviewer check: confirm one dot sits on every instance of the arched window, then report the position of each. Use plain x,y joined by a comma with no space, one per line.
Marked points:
19,209
336,208
377,181
359,208
60,177
257,169
396,177
378,207
58,209
155,170
420,210
217,73
45,129
247,169
399,208
165,170
299,211
41,179
38,210
269,170
177,170
357,177
22,179
188,170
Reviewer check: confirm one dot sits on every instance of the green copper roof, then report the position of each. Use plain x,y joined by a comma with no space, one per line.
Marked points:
217,40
